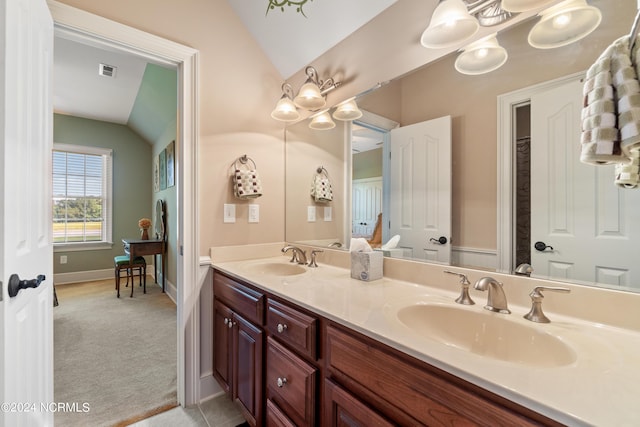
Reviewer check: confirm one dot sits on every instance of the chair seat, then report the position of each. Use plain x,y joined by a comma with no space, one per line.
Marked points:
124,260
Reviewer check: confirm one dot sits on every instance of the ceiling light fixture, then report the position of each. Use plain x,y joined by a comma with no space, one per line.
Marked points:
322,121
347,111
482,56
564,23
450,25
311,96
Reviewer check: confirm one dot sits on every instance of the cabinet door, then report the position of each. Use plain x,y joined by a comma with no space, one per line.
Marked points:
247,374
342,410
222,364
275,417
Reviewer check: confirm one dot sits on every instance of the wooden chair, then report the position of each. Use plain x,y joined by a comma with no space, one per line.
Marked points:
376,237
121,262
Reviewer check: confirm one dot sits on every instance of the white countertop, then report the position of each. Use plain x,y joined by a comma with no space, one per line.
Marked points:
602,387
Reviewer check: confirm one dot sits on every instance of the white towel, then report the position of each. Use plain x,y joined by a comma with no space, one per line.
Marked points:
246,180
628,176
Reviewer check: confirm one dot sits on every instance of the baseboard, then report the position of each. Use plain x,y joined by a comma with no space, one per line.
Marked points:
209,387
82,276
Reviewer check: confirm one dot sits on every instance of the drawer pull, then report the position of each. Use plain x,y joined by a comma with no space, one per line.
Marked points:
282,327
226,320
281,381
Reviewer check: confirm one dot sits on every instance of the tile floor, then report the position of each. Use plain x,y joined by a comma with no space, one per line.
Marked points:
217,412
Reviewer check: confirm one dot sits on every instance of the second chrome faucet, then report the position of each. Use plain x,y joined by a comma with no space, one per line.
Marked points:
496,299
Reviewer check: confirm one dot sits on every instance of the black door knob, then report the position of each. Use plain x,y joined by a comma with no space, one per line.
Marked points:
542,246
15,284
441,240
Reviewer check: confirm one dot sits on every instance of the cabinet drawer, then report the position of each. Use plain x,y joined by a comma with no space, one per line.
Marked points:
291,384
343,409
412,388
244,300
292,327
275,417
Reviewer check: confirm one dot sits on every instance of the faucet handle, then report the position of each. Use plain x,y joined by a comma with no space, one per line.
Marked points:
536,314
312,261
464,297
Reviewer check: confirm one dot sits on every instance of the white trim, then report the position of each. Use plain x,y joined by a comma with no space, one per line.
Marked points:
506,200
93,29
82,149
474,257
82,276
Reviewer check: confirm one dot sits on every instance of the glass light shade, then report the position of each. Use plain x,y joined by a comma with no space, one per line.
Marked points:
347,111
450,25
285,110
564,23
517,6
482,56
322,121
309,97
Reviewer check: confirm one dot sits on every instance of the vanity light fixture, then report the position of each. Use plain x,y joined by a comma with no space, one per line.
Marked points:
286,110
564,23
322,121
311,96
451,24
347,110
481,56
312,93
518,6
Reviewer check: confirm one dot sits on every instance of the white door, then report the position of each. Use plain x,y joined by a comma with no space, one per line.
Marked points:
588,224
420,187
26,345
367,204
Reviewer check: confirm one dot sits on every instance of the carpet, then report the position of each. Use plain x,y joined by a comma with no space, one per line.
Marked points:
114,358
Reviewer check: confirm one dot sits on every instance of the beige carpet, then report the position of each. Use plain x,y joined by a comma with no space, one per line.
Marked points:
117,355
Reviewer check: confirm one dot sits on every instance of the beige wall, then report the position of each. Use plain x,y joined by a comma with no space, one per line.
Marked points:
238,89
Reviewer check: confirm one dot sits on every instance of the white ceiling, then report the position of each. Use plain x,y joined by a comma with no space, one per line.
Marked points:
80,91
292,41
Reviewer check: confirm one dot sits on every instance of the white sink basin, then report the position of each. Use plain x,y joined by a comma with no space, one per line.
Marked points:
277,269
487,334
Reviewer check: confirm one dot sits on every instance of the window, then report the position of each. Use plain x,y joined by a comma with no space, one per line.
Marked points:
81,197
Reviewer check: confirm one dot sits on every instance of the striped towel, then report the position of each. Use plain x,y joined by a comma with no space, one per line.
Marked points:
611,112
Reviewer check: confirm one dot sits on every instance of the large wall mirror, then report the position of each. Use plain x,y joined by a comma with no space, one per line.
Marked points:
478,178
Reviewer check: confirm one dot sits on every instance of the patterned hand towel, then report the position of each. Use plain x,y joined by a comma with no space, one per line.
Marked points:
628,176
321,190
246,181
611,112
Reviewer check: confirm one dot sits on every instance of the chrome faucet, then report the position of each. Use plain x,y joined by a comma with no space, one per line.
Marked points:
299,255
496,300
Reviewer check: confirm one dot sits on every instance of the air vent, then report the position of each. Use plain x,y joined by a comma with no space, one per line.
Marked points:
107,70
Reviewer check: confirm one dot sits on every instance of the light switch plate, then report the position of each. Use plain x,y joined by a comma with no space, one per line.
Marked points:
229,213
327,213
254,213
311,214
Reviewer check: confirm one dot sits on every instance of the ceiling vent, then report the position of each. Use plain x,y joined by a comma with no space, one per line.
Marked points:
107,70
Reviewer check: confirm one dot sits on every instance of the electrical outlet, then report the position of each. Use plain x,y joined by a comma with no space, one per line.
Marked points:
63,259
254,213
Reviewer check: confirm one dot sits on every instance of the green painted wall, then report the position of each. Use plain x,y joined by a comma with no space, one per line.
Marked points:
132,184
367,164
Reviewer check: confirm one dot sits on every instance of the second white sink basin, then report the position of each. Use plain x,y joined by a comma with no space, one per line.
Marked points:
277,269
487,334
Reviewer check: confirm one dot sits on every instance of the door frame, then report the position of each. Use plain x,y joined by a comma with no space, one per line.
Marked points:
507,104
98,31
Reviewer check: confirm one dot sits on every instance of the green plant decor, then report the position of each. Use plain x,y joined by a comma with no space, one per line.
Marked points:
282,3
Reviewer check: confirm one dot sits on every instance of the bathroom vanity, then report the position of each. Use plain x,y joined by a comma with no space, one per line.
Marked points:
311,346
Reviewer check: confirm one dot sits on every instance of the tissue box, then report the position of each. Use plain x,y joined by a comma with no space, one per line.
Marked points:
366,266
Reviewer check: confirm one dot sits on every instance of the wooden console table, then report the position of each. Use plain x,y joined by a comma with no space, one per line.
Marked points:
137,247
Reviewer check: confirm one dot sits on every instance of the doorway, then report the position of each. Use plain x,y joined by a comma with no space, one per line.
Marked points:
80,25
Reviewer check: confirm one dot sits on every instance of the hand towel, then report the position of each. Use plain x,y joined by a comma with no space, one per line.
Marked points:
628,176
321,190
611,112
246,181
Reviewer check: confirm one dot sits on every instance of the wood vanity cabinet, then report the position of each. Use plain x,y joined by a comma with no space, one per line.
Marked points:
288,366
239,345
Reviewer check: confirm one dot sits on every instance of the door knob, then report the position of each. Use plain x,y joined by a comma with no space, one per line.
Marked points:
542,246
15,284
440,241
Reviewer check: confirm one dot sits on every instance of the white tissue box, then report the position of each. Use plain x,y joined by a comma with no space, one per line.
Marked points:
366,266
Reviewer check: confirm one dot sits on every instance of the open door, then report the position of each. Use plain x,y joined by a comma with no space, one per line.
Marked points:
26,257
420,181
